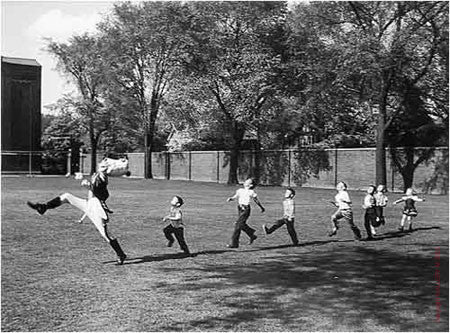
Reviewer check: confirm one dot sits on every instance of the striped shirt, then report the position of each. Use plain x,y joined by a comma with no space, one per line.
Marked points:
289,209
380,199
176,217
369,201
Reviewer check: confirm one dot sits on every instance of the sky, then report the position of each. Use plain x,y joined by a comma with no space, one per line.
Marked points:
26,23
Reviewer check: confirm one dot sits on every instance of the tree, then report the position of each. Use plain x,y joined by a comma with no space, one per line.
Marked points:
233,60
81,60
61,133
373,47
145,42
412,127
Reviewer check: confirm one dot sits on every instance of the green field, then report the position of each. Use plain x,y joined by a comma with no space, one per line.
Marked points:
58,275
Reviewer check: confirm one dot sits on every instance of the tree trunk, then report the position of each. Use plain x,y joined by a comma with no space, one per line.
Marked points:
93,156
238,135
148,140
234,163
409,168
257,170
93,140
380,152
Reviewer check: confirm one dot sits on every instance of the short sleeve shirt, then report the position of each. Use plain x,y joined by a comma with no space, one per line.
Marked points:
289,209
175,212
381,199
342,199
244,195
369,201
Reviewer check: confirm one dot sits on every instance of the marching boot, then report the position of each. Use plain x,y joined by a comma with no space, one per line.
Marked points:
42,208
120,254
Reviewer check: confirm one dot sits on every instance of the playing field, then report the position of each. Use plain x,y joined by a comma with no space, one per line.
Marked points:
58,275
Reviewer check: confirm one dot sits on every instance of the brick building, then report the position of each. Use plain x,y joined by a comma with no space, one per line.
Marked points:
21,114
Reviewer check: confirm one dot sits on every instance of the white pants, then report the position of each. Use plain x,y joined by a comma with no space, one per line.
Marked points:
93,209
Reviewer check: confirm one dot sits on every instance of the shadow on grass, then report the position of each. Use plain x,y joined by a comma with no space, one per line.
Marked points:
400,234
351,289
276,247
174,256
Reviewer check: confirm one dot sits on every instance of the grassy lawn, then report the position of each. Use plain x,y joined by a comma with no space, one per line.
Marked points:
58,275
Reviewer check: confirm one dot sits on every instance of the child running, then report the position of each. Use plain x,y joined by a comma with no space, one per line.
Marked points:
344,204
381,201
370,214
288,216
243,196
409,211
176,226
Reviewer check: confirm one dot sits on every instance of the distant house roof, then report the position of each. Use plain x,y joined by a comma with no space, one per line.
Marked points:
20,61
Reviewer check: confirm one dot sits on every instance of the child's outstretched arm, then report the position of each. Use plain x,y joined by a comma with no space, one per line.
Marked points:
234,197
398,201
255,199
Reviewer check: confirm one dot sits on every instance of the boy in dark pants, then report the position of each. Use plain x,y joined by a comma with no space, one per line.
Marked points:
176,226
288,216
243,195
370,212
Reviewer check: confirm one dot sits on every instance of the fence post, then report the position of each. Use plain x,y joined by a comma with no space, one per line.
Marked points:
392,176
289,167
80,162
217,167
29,163
190,165
167,165
69,163
335,166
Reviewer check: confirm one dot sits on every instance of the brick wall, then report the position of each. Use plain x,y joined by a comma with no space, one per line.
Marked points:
354,166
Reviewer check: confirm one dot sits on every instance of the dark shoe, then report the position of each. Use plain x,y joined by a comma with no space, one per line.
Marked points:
170,243
266,231
332,233
121,259
120,254
40,208
252,239
370,238
410,229
400,229
295,244
232,246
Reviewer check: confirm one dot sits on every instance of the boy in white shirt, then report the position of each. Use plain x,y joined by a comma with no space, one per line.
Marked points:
288,216
344,204
381,201
243,196
176,226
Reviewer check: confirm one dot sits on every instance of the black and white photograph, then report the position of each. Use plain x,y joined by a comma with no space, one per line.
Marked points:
224,166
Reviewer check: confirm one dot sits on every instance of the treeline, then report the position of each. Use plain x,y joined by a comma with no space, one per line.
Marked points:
338,73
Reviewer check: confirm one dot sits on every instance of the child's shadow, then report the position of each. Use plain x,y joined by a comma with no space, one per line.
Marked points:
170,256
424,228
399,234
